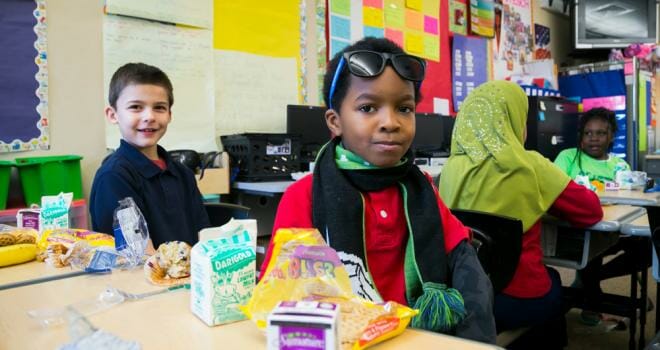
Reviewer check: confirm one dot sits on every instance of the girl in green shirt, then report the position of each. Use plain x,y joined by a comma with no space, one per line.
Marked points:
591,158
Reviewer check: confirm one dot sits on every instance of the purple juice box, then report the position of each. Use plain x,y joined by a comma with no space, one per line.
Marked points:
28,218
303,325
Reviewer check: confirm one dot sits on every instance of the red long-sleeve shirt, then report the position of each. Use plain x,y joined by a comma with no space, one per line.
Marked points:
385,226
577,205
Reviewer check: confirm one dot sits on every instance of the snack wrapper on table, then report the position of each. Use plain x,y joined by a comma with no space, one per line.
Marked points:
304,268
61,247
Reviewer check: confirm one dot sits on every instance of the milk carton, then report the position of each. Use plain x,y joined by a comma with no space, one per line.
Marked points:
309,325
223,271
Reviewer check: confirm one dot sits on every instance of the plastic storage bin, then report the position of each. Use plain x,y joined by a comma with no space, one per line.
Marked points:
47,176
5,174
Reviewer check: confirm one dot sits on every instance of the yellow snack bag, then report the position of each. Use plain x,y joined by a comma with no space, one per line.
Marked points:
303,267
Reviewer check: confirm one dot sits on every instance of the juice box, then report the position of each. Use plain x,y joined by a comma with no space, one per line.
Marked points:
309,325
223,272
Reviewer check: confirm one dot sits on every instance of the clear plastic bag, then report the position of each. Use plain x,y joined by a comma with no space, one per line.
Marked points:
131,232
55,316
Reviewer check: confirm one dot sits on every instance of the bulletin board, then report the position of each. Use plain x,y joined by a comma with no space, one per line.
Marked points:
24,83
513,45
416,25
413,24
234,65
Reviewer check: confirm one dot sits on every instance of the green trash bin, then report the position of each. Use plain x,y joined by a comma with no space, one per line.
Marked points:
47,176
5,173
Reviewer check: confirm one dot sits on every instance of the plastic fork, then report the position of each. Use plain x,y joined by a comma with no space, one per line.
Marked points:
133,297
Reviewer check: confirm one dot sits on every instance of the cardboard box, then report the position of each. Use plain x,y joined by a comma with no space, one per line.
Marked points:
215,180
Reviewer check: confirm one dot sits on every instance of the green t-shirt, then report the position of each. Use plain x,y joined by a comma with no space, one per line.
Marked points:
601,170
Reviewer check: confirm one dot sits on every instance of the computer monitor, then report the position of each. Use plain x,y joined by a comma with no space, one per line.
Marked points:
309,123
432,135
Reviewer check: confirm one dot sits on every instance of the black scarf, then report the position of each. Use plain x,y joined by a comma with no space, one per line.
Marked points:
338,212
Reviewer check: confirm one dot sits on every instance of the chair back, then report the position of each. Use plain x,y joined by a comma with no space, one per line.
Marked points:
220,213
498,242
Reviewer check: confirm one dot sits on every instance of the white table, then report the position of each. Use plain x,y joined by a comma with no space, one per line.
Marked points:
159,322
597,238
630,197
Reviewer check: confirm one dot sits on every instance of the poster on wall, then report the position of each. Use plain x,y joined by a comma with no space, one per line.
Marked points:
482,17
186,56
515,46
469,66
414,25
24,82
458,17
541,42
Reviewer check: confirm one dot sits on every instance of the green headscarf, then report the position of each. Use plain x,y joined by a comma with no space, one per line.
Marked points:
489,169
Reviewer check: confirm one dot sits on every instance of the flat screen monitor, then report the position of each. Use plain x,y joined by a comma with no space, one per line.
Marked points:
613,23
432,135
309,123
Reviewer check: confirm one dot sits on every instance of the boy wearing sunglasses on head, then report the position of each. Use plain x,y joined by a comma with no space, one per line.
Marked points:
383,215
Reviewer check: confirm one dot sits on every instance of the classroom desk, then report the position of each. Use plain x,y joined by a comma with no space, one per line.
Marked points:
158,322
33,272
640,227
630,197
594,240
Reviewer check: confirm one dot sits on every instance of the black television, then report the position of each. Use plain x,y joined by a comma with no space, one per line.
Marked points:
432,135
613,23
309,123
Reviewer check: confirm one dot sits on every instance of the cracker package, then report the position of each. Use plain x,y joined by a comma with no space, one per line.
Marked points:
223,271
303,268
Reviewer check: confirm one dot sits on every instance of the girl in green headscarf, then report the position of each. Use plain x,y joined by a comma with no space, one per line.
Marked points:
489,170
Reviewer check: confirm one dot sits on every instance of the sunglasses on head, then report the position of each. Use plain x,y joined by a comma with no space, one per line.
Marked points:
367,64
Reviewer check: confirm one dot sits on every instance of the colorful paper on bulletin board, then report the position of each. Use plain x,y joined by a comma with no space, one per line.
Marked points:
185,54
196,13
482,18
269,28
469,66
541,42
415,25
24,82
516,42
437,86
458,17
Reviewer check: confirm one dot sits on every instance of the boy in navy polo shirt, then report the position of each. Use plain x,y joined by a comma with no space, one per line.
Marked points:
165,191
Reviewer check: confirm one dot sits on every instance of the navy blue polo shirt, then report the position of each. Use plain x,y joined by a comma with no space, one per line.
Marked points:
169,199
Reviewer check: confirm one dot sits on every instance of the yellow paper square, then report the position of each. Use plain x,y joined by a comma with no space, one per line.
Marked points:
372,17
431,47
394,13
414,20
414,43
414,4
431,8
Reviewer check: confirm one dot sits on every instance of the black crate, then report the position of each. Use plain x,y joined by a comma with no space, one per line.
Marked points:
263,157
